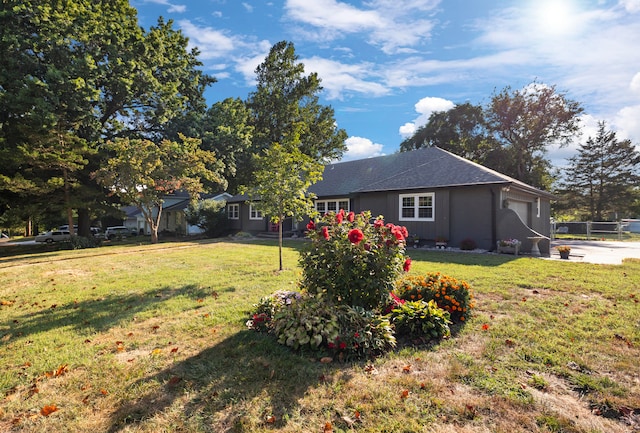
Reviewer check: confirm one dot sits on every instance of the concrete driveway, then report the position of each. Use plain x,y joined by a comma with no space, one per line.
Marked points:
604,252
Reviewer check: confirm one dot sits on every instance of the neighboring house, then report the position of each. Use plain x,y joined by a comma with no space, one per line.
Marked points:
432,192
173,218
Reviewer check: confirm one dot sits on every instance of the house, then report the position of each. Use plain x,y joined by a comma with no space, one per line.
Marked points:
434,193
173,218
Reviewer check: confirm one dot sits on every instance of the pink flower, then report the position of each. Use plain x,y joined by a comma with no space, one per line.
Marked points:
407,264
339,217
325,232
378,223
311,225
355,236
351,216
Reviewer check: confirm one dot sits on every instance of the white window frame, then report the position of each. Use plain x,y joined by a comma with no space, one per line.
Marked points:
233,211
254,213
416,208
335,202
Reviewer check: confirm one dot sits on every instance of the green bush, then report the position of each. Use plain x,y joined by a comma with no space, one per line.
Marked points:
81,242
264,311
420,318
351,261
450,294
311,324
210,215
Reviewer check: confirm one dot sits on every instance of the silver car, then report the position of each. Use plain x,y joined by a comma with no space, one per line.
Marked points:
54,236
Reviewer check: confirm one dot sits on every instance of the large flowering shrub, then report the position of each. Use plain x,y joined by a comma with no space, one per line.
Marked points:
353,260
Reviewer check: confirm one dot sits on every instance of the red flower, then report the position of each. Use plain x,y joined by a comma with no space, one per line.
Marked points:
325,232
407,264
356,335
378,223
355,236
331,345
351,216
343,345
339,217
398,232
311,225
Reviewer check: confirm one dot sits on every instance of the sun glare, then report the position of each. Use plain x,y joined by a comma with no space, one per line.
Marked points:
555,17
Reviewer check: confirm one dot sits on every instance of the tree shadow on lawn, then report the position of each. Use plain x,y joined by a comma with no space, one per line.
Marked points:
462,258
93,315
222,380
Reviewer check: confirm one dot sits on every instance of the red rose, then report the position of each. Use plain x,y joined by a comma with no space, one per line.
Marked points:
311,225
378,223
398,232
355,236
343,345
351,216
331,345
325,232
339,217
407,264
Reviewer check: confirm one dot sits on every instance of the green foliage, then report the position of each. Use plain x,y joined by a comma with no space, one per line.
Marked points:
450,294
264,311
286,105
352,261
141,172
209,215
601,180
420,318
313,325
281,181
82,242
525,122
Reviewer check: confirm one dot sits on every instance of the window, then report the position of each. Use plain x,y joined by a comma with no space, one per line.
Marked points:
324,206
233,211
417,207
254,214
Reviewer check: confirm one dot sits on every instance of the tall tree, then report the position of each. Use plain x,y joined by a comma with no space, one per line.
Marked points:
526,122
85,69
602,179
461,130
286,103
141,172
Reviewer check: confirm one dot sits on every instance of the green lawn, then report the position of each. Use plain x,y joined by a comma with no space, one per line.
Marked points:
152,338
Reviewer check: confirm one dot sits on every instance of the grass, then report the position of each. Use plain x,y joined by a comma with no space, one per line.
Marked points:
151,338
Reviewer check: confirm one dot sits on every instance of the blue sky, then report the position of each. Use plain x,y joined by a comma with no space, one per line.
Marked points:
386,65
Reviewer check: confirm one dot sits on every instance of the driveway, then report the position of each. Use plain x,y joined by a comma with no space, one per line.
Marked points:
604,252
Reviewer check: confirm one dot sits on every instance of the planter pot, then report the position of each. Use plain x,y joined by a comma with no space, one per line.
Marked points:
564,255
441,245
508,250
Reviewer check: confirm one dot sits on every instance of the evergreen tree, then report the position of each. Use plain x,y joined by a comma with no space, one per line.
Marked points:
601,181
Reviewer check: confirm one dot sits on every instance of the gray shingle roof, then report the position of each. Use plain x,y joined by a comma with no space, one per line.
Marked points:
429,167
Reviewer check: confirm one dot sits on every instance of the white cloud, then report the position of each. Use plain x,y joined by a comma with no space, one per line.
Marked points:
393,26
247,6
627,123
635,83
632,6
340,78
424,107
360,147
212,43
172,7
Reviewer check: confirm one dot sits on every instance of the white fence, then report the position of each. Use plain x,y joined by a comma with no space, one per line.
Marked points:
590,229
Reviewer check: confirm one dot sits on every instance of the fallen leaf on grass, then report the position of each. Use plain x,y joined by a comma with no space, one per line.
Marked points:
104,392
7,303
326,360
404,394
174,380
328,428
485,326
406,369
174,350
270,419
48,410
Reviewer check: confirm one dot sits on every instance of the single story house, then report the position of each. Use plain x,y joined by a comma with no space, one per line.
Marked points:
173,218
434,193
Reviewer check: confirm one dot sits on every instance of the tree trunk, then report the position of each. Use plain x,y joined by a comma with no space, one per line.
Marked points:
84,223
280,241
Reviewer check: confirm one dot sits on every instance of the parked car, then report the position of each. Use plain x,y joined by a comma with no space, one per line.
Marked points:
54,236
118,232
